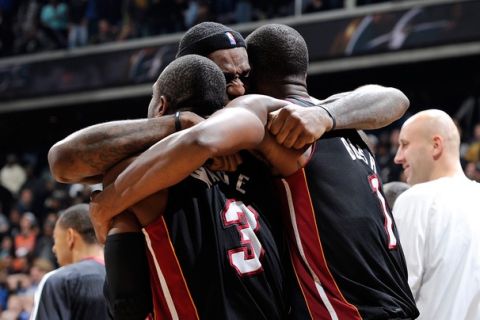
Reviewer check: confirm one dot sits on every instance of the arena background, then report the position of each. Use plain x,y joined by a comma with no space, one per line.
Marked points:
430,49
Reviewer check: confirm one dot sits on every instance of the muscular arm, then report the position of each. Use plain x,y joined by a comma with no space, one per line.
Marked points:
367,107
175,157
85,155
132,219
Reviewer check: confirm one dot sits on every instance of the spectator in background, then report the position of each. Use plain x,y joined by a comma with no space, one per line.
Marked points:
12,175
40,267
438,219
77,29
25,200
198,11
394,189
28,38
109,14
6,253
134,23
204,13
54,19
243,11
24,241
472,171
74,291
44,242
20,289
472,153
17,308
92,20
4,291
14,218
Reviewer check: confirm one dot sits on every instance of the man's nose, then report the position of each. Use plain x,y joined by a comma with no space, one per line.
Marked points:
236,88
398,157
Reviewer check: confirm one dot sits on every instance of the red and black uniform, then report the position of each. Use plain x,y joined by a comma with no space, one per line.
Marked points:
343,240
212,254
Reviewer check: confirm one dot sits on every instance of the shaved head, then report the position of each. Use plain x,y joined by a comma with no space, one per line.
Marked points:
433,122
429,147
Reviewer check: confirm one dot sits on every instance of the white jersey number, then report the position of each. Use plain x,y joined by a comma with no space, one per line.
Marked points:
388,224
246,258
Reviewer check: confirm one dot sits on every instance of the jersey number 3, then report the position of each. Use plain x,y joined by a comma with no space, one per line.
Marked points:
246,258
388,224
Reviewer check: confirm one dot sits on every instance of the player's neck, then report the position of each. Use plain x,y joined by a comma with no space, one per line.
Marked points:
294,91
282,89
88,251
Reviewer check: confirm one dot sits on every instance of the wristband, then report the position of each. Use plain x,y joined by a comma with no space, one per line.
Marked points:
334,122
178,124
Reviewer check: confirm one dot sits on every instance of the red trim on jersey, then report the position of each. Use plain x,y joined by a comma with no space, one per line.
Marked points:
322,294
171,296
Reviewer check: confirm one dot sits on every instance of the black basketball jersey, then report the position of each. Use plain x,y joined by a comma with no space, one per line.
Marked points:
214,254
344,242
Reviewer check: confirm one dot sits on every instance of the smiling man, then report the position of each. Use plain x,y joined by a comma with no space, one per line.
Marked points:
438,219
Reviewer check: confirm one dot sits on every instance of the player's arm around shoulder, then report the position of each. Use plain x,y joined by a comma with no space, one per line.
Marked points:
172,159
284,161
145,211
367,107
259,105
241,125
85,155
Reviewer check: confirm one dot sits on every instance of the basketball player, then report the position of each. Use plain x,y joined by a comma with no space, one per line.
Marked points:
347,255
86,155
212,255
344,245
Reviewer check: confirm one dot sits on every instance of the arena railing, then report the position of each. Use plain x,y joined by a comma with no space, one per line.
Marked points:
357,37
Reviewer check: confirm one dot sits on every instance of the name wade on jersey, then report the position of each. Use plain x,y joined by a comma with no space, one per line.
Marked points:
357,153
209,177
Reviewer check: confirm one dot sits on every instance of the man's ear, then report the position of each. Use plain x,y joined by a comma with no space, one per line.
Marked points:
437,147
70,238
162,106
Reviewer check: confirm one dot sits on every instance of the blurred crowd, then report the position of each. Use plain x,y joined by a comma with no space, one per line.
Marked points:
30,201
29,26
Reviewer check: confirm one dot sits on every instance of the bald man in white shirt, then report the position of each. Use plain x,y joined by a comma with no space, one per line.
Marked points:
439,219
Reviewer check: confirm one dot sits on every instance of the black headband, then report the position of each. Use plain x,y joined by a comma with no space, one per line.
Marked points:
218,41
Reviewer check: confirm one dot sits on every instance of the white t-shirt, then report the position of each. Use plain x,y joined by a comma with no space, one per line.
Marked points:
439,227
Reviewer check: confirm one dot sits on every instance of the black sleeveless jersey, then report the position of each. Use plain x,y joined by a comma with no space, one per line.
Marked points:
344,242
214,252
